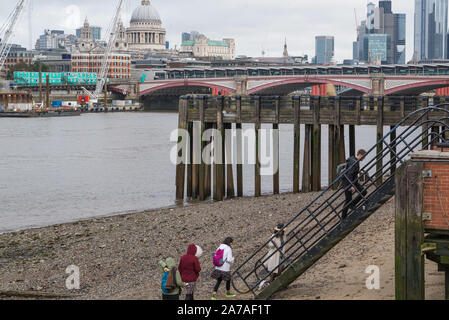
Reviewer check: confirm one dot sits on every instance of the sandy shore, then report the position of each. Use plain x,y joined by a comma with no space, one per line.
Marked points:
118,256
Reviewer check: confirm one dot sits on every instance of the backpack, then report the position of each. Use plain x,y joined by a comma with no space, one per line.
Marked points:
217,259
168,281
341,168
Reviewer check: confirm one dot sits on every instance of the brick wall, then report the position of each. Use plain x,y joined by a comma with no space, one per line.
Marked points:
436,194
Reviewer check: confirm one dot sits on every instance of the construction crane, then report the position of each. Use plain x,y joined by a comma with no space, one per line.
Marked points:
7,31
102,76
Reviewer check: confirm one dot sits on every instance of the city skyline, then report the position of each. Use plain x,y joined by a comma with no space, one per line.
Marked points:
251,32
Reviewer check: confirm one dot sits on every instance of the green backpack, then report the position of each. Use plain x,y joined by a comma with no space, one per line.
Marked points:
341,168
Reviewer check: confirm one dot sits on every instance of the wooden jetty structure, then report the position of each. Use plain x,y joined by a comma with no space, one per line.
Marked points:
197,180
416,124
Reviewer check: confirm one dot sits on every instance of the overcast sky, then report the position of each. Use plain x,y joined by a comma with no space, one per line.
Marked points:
256,25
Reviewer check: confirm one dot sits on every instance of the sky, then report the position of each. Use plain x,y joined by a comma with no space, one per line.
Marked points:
256,25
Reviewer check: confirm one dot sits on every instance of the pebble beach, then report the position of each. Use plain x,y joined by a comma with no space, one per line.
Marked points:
117,256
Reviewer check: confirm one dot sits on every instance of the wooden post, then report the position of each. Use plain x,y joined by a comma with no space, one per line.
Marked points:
331,156
47,92
358,110
409,232
41,99
196,154
230,191
402,107
180,167
446,284
425,126
208,166
352,150
316,146
202,166
379,137
218,158
190,161
338,136
105,95
276,148
239,146
296,143
306,177
257,178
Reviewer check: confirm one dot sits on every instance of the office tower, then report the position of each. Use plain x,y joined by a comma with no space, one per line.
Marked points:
324,49
431,29
377,48
382,21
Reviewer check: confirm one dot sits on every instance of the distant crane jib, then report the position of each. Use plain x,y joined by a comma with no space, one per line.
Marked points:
101,80
9,28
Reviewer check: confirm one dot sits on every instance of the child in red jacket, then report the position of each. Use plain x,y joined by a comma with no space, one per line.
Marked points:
189,267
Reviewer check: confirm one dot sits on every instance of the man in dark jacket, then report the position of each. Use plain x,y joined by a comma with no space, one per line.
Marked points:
189,267
351,182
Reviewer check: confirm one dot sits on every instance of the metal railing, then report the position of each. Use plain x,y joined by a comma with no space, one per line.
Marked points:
324,214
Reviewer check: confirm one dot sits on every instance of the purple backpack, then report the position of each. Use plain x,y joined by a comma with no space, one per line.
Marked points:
218,258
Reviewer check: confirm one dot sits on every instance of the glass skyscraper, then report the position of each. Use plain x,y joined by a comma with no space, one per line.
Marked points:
400,37
431,29
377,48
381,21
324,49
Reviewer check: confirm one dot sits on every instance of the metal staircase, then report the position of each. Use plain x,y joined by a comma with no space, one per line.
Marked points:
319,226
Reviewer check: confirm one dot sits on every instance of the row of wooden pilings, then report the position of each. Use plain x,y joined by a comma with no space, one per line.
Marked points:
216,180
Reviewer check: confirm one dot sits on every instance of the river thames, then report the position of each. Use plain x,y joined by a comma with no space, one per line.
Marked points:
57,170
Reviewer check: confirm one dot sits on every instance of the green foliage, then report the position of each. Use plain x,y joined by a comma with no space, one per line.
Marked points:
27,68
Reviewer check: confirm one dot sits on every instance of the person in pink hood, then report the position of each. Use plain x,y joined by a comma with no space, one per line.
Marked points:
189,267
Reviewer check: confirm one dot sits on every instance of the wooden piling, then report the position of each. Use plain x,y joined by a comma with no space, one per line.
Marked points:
296,144
218,155
352,150
358,111
208,166
446,283
180,167
239,145
230,191
409,232
316,146
202,166
338,153
196,155
276,148
331,161
306,177
379,137
425,126
257,177
190,161
47,92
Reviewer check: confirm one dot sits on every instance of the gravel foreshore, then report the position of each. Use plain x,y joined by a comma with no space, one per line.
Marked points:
117,256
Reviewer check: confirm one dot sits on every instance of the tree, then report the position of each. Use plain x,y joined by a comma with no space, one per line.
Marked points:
23,67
